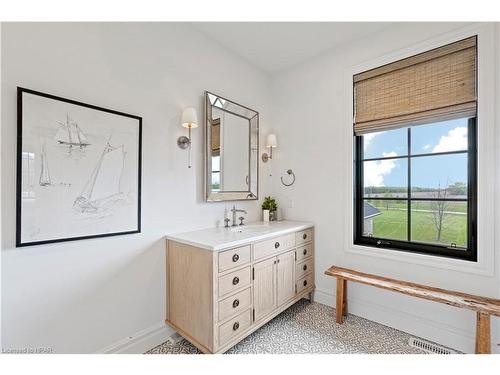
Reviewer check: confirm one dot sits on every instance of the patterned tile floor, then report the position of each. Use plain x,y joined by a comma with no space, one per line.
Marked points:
311,328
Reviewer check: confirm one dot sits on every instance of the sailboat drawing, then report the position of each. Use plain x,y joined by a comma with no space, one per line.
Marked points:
104,182
71,134
44,172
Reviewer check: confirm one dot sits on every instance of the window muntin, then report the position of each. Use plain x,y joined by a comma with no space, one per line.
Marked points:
425,198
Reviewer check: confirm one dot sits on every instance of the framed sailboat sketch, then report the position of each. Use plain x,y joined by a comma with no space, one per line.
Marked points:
78,170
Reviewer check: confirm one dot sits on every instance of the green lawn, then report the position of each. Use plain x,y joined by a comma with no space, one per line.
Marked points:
392,224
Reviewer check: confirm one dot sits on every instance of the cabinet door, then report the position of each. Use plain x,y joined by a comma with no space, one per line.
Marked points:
264,288
286,277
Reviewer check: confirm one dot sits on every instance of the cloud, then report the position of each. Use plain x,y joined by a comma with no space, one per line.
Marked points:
426,147
456,139
367,138
375,171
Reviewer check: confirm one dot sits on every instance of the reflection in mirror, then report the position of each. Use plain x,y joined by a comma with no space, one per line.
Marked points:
231,150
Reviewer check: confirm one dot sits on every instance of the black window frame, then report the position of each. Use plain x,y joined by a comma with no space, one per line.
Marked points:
470,253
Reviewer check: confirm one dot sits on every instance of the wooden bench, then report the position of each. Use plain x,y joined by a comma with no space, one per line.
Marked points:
484,307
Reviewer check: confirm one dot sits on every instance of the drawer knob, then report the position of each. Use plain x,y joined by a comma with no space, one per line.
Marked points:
236,303
305,267
236,326
276,245
304,252
236,257
305,282
304,236
236,280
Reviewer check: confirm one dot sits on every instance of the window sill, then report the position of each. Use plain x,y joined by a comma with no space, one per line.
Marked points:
477,268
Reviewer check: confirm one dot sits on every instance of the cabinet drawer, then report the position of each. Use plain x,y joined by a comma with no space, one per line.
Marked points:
234,304
274,245
233,258
304,236
234,327
304,251
303,268
233,281
305,283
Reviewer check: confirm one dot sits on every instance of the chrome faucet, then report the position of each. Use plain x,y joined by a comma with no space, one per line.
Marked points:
234,211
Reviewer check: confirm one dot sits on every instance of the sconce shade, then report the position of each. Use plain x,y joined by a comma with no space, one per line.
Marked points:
272,141
189,118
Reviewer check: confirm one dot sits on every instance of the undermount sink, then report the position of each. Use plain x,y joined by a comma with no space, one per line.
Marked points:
249,228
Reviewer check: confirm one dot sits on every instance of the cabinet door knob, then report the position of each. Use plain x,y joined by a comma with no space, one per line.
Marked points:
304,252
236,326
236,303
304,236
236,257
276,245
305,267
236,280
305,282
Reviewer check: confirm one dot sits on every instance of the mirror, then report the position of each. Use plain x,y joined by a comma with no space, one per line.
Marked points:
231,150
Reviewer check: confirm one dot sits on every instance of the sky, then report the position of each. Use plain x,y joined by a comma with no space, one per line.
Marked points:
427,171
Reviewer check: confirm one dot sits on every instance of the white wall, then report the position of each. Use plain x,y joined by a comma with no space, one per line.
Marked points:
310,103
104,294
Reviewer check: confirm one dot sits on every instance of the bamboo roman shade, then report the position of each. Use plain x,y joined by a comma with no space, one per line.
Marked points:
216,137
436,85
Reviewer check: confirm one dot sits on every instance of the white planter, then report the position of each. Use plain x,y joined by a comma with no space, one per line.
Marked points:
265,215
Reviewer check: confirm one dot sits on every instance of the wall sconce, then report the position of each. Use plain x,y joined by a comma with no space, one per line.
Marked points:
271,142
189,120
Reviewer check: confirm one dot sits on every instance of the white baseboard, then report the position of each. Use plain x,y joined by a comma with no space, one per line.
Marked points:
447,335
141,341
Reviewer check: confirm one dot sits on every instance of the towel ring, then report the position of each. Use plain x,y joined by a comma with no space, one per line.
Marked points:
290,172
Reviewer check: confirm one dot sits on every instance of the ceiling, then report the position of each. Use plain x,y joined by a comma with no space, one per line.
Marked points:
274,46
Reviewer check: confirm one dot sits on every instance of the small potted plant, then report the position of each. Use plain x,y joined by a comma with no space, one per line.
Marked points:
269,207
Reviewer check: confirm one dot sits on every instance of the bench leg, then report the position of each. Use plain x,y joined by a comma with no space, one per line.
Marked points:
341,299
483,339
344,302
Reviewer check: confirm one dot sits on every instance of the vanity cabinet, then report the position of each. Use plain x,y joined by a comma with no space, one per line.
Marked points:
264,288
217,295
285,277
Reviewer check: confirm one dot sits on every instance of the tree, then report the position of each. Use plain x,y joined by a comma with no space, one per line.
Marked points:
440,209
458,188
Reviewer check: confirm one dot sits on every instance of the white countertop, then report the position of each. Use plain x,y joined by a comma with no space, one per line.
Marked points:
217,239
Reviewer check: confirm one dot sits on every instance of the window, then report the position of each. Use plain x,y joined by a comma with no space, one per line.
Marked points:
415,153
416,188
216,173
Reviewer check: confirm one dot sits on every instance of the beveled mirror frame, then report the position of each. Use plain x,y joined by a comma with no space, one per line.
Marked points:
253,172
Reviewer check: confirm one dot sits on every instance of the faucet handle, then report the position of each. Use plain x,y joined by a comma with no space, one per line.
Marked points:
226,220
241,218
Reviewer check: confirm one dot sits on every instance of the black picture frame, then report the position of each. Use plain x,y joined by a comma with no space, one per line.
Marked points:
20,92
